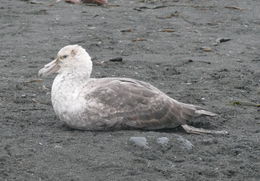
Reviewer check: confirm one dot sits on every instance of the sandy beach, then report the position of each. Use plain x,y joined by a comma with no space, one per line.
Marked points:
200,52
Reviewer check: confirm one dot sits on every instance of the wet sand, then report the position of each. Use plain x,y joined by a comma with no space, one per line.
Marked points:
169,43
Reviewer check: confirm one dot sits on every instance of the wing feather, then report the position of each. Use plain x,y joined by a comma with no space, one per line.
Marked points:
130,104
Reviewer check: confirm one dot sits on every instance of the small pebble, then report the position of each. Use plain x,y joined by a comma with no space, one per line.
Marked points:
206,49
221,40
117,59
57,146
162,140
186,143
139,141
23,96
18,86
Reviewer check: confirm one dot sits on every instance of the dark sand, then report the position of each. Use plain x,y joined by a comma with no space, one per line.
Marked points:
36,146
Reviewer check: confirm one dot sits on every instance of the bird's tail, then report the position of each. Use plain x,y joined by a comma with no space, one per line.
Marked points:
189,111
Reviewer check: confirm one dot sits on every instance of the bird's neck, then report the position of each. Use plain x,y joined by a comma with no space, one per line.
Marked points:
70,80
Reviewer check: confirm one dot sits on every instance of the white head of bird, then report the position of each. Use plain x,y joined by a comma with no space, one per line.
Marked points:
71,59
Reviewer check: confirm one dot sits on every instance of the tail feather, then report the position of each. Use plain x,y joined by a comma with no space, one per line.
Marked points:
189,111
204,112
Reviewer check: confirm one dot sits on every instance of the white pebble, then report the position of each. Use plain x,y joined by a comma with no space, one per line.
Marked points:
57,146
162,140
186,143
139,141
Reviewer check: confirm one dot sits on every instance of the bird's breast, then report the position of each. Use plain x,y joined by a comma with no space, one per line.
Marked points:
66,99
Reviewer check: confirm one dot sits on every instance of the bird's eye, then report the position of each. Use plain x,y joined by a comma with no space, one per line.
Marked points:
64,56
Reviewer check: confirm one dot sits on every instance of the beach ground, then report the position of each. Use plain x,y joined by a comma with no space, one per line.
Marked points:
197,51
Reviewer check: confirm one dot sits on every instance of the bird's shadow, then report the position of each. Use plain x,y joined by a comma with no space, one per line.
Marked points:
178,129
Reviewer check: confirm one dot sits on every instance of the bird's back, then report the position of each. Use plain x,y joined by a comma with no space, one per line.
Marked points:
116,103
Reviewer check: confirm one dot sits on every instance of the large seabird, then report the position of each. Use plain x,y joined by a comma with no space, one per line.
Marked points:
112,103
